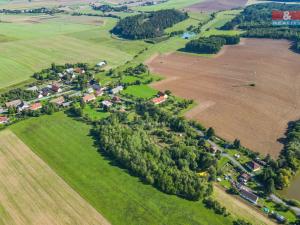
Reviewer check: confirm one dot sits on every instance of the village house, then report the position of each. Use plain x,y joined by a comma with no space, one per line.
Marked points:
23,106
116,99
35,106
70,70
244,178
107,103
45,91
67,104
248,195
58,101
2,110
159,100
98,93
79,70
89,98
3,119
253,166
14,103
213,149
56,87
90,90
96,87
116,90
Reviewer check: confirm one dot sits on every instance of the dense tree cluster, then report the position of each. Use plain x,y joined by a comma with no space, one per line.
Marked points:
148,25
257,21
95,14
279,173
17,93
216,206
148,147
138,70
211,45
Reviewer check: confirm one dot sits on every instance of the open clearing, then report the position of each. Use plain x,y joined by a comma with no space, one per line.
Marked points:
65,145
217,5
257,115
31,193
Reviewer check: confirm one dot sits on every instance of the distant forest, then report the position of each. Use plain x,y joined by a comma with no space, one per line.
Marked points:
148,25
256,20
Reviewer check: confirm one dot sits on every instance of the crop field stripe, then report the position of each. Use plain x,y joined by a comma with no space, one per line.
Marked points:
31,193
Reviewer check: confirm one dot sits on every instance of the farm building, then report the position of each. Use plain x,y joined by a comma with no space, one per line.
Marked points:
253,166
3,120
249,196
58,101
101,64
116,90
159,100
89,98
14,103
35,106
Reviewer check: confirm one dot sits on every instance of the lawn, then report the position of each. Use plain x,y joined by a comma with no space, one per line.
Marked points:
94,113
140,91
66,146
27,47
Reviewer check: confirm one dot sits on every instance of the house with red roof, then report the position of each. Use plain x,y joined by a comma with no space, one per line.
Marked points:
35,106
3,119
89,98
160,99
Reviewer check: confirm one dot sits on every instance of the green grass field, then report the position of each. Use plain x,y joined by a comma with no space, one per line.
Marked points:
140,91
27,47
66,146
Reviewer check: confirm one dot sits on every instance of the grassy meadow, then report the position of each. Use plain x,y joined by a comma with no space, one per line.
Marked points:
65,145
29,44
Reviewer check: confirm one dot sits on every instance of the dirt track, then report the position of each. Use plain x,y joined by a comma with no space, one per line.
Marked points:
257,115
31,193
216,5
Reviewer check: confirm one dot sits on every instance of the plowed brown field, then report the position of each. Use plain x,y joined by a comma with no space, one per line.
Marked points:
257,115
216,5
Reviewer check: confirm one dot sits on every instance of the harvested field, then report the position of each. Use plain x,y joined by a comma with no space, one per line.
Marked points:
31,193
216,5
256,114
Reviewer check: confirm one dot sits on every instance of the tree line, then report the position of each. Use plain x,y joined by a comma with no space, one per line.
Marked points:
148,25
278,173
257,21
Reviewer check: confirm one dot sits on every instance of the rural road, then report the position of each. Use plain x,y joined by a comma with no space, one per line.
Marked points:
280,201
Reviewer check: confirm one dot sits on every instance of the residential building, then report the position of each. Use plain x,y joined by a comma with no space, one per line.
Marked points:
101,64
107,103
159,100
14,103
23,106
253,166
56,87
98,93
58,101
89,98
116,90
35,106
33,88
